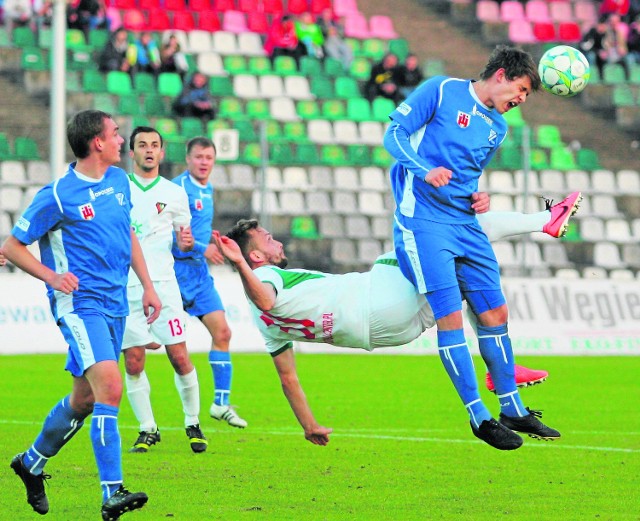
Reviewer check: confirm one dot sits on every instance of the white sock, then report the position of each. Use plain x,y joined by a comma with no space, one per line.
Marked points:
498,225
139,394
189,392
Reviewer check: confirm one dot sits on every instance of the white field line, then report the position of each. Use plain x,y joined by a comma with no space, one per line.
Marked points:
357,433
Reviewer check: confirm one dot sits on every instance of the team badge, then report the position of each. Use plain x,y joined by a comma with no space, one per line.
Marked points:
492,136
87,212
160,207
463,119
198,204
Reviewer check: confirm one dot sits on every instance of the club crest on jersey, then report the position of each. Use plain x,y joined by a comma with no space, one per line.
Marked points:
492,136
198,204
463,119
87,212
120,198
160,207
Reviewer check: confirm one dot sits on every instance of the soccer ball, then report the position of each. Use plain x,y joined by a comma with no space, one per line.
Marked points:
564,71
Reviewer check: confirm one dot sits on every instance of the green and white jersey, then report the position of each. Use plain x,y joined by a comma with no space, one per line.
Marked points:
379,308
159,208
314,307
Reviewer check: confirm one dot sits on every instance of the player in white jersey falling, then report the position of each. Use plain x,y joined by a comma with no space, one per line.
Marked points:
378,308
160,208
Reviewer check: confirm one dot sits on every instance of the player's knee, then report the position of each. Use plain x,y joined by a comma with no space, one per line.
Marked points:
134,360
179,358
494,317
222,337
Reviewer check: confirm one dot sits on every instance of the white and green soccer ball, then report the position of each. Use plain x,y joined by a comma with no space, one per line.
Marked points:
564,71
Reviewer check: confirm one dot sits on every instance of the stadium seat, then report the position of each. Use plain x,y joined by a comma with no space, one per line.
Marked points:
359,109
618,230
552,182
317,6
11,199
273,7
191,127
360,68
512,10
258,109
347,87
628,182
259,65
154,105
304,227
613,74
346,132
270,86
604,205
283,108
13,173
32,59
209,21
356,26
144,82
488,11
167,127
603,182
333,155
607,255
320,131
306,154
585,12
322,87
319,203
280,154
297,7
333,67
381,26
225,42
169,84
297,87
250,44
134,20
158,20
521,32
311,67
285,66
623,95
380,157
198,41
38,172
373,48
334,110
562,158
230,108
129,105
345,7
148,4
537,11
569,32
371,203
544,31
210,64
234,22
381,108
343,251
24,37
295,132
235,64
587,159
548,136
93,81
358,155
345,203
371,132
119,83
368,250
257,22
245,86
308,109
346,179
399,47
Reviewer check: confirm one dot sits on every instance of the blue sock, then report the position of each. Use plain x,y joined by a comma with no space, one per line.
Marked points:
454,353
59,427
221,366
495,348
106,447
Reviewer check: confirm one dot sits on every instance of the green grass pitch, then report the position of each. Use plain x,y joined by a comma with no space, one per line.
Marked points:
402,448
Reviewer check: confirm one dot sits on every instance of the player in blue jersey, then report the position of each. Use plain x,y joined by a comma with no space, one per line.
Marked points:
82,224
199,295
442,136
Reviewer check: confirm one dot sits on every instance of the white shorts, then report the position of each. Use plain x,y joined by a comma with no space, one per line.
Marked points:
168,328
398,313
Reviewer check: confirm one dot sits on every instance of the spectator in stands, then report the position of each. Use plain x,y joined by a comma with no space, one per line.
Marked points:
335,47
384,80
17,13
620,7
310,34
172,59
633,41
143,54
114,54
606,43
327,19
410,75
87,15
195,100
283,41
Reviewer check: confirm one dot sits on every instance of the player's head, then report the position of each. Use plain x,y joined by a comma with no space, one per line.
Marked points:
145,149
513,75
201,156
257,245
94,132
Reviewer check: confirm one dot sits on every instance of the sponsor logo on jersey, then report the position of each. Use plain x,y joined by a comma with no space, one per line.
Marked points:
404,109
160,207
23,224
120,198
198,204
87,212
463,119
327,327
476,112
492,136
205,195
95,195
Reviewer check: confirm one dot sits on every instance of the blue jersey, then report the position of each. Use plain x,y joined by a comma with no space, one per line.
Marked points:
83,226
442,123
201,207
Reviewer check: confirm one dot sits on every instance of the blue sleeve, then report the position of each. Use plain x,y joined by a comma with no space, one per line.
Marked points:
199,247
41,216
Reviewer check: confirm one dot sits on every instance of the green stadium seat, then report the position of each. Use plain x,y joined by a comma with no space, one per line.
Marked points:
251,154
235,64
355,45
80,60
98,38
359,109
245,129
285,66
333,67
230,108
45,38
347,87
26,149
308,109
333,155
5,41
129,105
5,148
174,149
380,157
322,87
75,39
104,102
634,74
154,105
310,66
295,131
381,108
304,227
358,155
72,81
32,59
169,84
561,158
167,127
191,127
280,154
119,83
613,74
372,48
220,86
258,109
216,124
587,159
548,136
144,83
514,118
259,65
333,110
538,159
24,37
306,154
360,68
511,158
623,96
399,47
140,121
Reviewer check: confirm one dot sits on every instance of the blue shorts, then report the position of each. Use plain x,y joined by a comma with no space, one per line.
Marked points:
435,256
92,337
198,291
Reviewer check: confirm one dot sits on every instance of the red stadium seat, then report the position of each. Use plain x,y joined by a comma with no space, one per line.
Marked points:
272,7
569,32
134,20
544,31
317,6
297,6
124,4
248,6
209,21
148,4
200,5
223,5
175,5
184,21
258,22
158,20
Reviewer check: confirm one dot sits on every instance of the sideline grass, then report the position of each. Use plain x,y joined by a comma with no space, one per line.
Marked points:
402,448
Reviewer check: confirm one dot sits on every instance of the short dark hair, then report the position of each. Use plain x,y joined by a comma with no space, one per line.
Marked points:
141,130
82,128
515,62
202,141
239,233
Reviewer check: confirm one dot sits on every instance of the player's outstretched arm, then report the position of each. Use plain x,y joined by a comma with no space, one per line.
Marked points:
286,366
261,294
19,254
150,299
